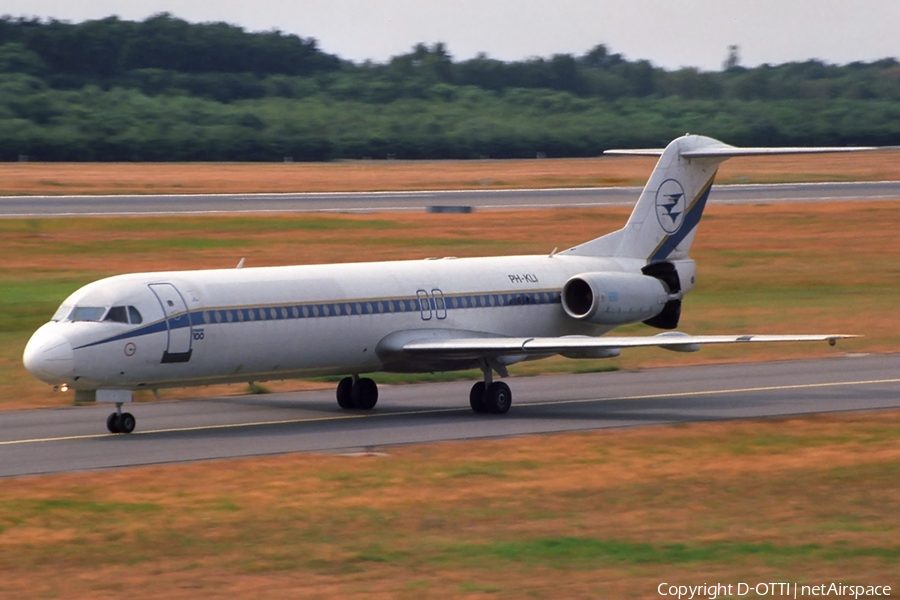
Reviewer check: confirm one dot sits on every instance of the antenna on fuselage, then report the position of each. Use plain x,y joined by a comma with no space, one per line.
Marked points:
241,264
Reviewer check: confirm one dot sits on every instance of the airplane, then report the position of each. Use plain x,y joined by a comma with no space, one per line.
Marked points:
146,331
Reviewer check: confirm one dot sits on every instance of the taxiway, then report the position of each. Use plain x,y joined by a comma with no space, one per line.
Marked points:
200,204
75,439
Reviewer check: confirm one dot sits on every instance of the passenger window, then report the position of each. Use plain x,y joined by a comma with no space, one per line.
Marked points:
117,314
136,318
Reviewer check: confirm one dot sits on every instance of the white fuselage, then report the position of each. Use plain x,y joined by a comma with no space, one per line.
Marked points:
210,326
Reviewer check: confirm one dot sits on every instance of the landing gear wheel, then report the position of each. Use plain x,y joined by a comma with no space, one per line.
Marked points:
476,398
364,394
498,398
344,397
112,423
127,422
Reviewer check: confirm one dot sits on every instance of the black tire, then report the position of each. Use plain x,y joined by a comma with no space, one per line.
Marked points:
112,423
344,396
476,398
127,423
498,398
364,394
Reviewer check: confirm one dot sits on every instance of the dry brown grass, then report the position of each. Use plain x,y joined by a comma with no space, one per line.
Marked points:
194,178
600,514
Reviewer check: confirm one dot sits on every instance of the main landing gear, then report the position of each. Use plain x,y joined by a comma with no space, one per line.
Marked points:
490,396
357,392
119,422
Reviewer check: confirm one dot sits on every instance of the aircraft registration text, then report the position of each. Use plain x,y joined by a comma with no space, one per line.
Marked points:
523,278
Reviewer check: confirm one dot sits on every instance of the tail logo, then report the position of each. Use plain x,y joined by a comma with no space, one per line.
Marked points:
670,205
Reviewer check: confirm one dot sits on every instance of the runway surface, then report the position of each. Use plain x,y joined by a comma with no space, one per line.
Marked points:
75,438
70,206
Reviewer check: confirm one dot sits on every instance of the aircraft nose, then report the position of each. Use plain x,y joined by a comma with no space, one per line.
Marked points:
48,356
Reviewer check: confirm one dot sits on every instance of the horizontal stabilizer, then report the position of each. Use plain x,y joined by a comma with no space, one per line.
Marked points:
725,151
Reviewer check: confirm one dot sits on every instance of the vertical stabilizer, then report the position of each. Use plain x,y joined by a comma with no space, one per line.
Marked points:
664,221
665,218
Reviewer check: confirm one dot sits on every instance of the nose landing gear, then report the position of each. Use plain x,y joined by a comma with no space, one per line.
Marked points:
119,422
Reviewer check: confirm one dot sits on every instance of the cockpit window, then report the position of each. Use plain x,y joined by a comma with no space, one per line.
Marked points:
117,314
87,313
124,314
62,312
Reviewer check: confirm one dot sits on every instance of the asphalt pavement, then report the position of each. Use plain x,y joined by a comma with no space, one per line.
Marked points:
75,438
356,202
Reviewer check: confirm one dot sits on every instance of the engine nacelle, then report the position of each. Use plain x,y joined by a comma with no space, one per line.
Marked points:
614,298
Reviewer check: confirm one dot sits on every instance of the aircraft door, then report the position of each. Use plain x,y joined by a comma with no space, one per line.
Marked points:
424,305
178,322
440,305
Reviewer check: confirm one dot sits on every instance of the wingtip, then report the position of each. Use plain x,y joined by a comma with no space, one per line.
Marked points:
832,339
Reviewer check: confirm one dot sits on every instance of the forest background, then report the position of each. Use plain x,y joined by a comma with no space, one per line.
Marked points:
167,90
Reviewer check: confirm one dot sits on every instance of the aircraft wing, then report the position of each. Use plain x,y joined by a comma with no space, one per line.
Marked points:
518,346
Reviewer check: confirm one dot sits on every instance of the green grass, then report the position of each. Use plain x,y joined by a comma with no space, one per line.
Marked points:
26,302
587,553
57,507
253,531
213,224
784,443
471,587
137,247
398,378
490,470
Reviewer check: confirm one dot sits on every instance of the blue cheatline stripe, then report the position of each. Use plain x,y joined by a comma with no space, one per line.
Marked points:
691,219
314,310
156,327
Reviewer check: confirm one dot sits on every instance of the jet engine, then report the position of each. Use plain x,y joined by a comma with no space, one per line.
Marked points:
614,298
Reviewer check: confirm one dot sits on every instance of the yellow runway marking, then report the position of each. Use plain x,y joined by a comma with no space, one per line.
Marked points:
771,388
426,411
233,425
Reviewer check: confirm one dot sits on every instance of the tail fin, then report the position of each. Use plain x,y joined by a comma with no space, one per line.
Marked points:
664,221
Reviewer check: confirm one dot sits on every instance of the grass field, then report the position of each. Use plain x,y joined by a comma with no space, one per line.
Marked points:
178,178
595,515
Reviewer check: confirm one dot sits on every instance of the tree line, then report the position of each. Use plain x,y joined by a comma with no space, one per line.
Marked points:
166,89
